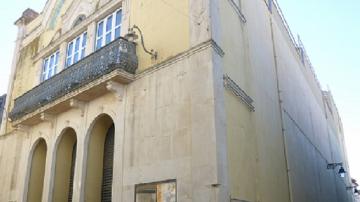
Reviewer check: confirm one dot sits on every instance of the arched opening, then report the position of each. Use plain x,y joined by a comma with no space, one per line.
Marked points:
98,183
64,166
37,171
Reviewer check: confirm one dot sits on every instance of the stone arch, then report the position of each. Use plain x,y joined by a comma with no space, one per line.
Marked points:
65,158
99,163
36,171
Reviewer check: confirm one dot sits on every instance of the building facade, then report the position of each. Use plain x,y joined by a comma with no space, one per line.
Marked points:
2,104
164,100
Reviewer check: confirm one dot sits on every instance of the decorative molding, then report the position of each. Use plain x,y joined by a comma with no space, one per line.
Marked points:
22,128
67,35
34,107
48,118
172,60
77,104
238,92
116,73
117,88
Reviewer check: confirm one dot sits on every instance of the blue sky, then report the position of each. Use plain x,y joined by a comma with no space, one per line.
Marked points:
330,31
10,12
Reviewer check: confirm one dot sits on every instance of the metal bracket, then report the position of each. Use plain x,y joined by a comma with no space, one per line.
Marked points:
333,165
47,118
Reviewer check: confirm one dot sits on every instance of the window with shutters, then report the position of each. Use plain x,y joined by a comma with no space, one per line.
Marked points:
156,192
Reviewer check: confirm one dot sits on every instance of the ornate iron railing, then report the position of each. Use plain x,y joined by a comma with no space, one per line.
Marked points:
119,54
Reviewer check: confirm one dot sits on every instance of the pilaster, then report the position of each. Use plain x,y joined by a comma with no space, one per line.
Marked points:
91,32
20,36
204,21
209,150
209,145
62,59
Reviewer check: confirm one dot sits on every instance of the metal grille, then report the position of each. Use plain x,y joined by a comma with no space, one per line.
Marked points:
71,183
119,54
106,186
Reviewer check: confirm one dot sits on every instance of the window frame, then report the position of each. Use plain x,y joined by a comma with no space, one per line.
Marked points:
104,32
80,52
50,69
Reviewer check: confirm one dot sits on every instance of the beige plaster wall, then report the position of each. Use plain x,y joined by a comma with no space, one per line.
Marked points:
165,129
170,116
309,134
10,152
257,166
176,121
258,53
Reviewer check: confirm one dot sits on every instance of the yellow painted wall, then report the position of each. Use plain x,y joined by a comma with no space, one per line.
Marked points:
26,74
165,25
36,181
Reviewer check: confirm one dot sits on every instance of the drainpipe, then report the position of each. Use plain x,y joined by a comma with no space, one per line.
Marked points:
281,111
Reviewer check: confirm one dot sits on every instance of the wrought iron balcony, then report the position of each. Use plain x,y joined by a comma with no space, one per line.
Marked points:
120,56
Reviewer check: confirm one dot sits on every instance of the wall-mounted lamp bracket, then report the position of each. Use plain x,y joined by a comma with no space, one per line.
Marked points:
132,36
350,187
334,165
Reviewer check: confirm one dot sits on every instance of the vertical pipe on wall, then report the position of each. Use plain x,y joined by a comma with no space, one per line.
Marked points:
281,109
